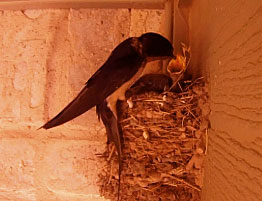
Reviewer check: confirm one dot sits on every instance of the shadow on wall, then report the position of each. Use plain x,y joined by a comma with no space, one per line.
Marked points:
190,28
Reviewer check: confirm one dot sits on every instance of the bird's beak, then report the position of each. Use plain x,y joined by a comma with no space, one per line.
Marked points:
179,62
176,65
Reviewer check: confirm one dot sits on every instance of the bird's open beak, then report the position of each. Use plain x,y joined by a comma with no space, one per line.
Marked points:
178,65
180,61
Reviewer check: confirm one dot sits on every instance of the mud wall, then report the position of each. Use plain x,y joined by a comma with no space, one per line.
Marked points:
226,39
46,56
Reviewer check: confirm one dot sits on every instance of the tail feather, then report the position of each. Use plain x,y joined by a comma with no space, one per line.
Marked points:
113,135
84,101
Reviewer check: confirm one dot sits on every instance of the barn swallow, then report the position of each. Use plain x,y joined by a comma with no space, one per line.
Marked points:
121,70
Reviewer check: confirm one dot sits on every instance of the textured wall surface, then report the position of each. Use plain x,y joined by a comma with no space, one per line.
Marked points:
46,56
226,38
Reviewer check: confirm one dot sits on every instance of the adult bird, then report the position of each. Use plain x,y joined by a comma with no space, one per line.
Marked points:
120,71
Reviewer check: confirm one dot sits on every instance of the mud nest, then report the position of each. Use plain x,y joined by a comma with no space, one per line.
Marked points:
165,137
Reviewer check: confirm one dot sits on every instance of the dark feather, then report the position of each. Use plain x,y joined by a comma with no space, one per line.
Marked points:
113,134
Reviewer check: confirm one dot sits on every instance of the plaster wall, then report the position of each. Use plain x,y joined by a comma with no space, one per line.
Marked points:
226,40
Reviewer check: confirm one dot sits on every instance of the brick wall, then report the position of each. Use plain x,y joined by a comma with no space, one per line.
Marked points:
46,57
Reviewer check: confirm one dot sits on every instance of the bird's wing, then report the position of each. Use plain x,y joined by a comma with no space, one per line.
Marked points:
122,64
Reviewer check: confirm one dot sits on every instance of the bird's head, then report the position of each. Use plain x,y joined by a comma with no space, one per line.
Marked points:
177,67
156,46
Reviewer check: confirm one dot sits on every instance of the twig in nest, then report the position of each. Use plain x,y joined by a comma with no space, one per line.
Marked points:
181,181
111,171
111,153
194,82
